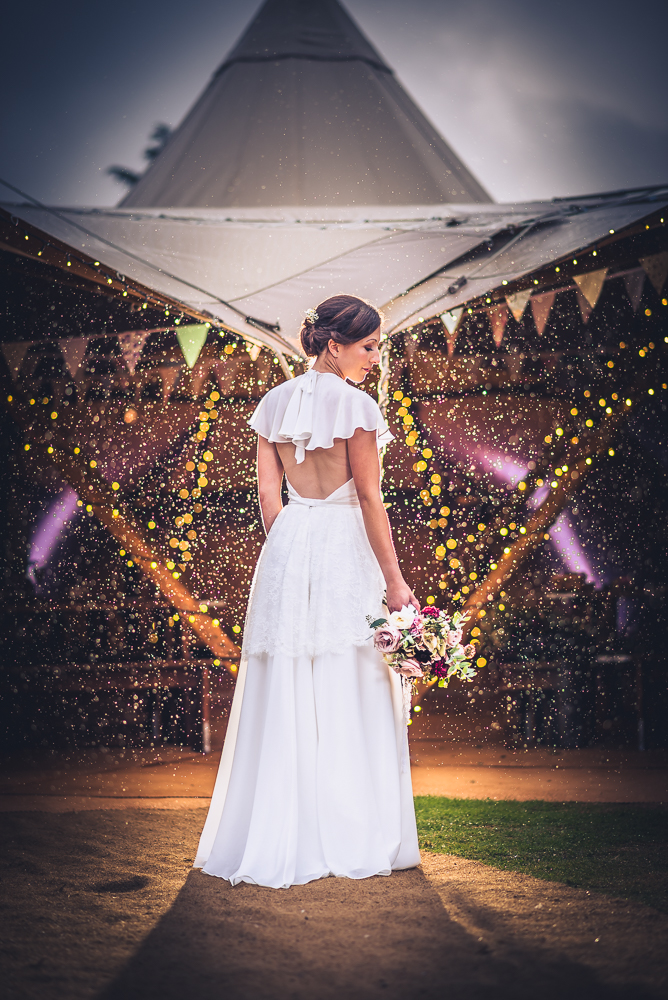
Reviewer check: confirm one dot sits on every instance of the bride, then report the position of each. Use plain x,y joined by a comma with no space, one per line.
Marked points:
313,779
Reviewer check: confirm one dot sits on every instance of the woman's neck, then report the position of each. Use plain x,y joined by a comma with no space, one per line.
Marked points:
327,363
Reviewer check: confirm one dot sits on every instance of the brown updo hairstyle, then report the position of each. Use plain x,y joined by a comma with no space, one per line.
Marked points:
342,318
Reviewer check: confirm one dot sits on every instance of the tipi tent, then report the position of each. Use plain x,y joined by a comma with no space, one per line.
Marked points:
305,112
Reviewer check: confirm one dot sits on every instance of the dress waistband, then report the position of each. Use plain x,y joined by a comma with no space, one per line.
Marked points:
345,496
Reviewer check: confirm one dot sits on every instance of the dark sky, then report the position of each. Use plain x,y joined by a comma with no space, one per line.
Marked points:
539,99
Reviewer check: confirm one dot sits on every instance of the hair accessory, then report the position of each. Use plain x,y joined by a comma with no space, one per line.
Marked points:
311,316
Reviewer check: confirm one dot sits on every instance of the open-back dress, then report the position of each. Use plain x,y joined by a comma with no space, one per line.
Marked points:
313,779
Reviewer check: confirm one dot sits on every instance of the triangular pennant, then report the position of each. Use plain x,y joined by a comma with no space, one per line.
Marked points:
74,350
656,269
518,303
634,284
14,355
498,317
191,341
201,374
131,345
169,374
253,350
451,321
591,284
585,308
540,308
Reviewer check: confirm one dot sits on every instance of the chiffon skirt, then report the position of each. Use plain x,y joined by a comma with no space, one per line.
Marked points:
314,778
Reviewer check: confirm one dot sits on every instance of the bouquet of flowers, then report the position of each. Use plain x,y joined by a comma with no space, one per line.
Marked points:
426,644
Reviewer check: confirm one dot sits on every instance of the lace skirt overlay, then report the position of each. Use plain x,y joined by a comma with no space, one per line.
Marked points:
316,579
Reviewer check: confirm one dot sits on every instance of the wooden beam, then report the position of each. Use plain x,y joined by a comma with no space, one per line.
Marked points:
96,493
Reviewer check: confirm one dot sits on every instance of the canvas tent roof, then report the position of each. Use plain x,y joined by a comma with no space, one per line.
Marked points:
302,112
275,268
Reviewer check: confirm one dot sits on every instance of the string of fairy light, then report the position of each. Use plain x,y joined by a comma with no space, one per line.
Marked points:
554,473
182,538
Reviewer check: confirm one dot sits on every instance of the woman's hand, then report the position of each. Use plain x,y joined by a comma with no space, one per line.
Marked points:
401,596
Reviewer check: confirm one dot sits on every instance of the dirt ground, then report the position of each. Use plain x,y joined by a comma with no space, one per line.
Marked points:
104,904
116,778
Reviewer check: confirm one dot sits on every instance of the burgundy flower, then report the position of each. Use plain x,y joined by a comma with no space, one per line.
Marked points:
431,611
439,668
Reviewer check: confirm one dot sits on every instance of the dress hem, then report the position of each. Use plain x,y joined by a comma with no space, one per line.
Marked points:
237,879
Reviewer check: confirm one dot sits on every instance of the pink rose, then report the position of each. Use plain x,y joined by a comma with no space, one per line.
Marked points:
387,639
453,637
469,651
409,668
417,628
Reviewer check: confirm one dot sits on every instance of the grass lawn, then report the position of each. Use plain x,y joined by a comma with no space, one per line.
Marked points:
621,850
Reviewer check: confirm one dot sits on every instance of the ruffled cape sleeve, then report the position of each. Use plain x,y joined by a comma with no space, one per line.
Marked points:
313,410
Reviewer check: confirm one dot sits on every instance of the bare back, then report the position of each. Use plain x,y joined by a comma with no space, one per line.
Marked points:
322,472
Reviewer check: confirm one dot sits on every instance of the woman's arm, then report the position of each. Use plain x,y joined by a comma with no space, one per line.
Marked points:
269,480
365,466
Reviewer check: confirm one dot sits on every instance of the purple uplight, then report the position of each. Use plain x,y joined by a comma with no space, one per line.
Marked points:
563,537
48,531
569,548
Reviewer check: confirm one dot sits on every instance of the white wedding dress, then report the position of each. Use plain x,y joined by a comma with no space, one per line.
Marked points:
314,778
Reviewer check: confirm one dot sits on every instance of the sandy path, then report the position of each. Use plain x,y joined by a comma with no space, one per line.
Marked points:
91,780
104,904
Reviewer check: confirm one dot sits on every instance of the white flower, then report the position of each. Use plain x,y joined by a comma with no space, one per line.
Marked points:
404,618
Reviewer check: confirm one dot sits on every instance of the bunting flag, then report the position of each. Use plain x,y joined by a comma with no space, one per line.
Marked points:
634,284
131,345
253,350
451,321
169,373
14,355
540,308
202,374
191,341
74,351
518,303
656,269
591,285
224,373
585,308
498,317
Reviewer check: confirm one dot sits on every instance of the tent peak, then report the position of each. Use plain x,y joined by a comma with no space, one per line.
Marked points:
319,30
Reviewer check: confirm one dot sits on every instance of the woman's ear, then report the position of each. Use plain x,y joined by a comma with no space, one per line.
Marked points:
333,348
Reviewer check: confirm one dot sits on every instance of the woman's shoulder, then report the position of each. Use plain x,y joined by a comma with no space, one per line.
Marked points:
317,407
